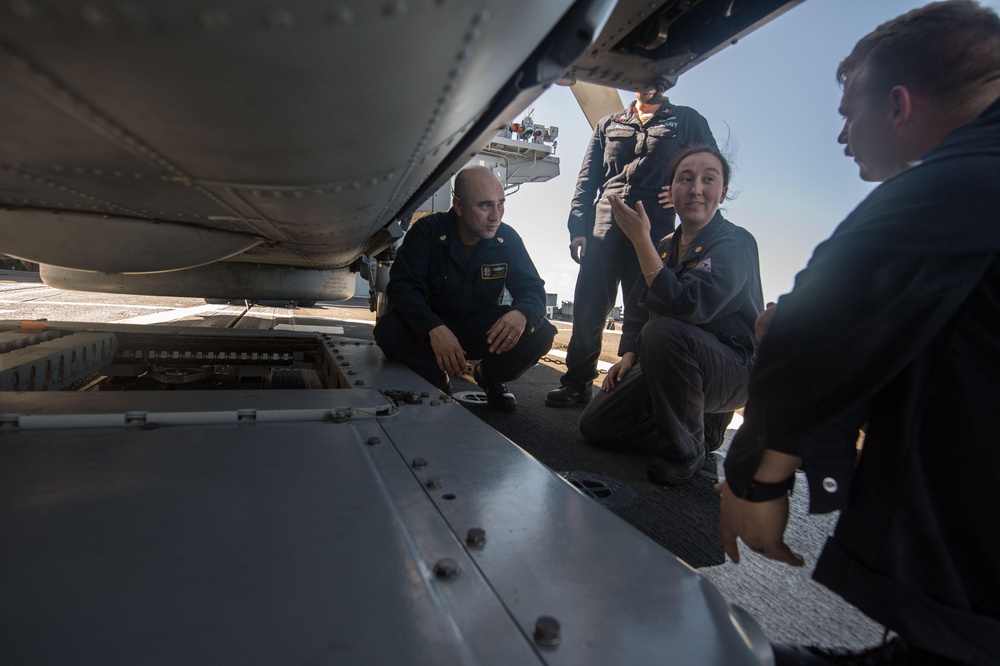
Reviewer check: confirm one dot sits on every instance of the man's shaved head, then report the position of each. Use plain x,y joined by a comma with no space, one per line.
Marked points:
478,204
468,177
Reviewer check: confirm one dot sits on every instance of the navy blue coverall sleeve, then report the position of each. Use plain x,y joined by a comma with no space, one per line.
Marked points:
870,301
409,280
526,287
588,184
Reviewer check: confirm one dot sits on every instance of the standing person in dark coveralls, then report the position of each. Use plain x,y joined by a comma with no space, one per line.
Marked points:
628,156
444,295
894,323
688,338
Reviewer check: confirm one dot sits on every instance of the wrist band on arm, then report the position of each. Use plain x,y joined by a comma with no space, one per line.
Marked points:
758,491
652,272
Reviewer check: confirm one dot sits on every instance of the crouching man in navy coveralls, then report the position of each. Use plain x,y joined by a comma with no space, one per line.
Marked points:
445,288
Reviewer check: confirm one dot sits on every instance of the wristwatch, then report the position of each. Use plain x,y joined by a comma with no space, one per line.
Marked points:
758,491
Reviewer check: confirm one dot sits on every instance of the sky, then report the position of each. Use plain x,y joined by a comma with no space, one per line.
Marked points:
771,101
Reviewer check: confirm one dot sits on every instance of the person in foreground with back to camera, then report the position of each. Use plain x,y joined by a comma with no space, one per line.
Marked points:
687,337
444,294
893,323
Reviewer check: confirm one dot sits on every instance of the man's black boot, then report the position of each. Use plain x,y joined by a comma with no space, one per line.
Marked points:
497,395
568,395
499,398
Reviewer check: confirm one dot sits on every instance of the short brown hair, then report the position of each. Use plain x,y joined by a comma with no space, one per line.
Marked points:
942,48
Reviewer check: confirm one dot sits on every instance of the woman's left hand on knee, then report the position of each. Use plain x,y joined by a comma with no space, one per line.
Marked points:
618,371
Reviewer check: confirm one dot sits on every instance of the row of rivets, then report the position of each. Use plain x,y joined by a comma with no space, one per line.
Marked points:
72,206
323,190
63,98
97,203
93,171
474,33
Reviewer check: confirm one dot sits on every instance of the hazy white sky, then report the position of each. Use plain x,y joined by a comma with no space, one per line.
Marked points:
771,100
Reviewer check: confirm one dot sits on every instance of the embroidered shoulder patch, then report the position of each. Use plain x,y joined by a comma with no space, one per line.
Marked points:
704,265
493,271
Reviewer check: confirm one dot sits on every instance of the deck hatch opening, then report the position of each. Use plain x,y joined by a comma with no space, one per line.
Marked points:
605,490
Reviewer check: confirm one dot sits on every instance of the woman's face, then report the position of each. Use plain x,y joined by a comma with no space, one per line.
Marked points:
697,188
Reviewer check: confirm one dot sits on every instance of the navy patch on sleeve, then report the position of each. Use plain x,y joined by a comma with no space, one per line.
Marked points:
493,271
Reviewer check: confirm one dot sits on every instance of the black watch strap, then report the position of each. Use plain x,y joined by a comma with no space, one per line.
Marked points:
758,491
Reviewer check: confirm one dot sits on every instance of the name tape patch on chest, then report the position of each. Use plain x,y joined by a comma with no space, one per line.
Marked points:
493,271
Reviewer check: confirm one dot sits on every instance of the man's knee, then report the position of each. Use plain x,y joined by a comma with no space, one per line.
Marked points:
536,343
546,333
392,335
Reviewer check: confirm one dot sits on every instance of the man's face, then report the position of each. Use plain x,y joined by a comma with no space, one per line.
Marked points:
867,131
480,209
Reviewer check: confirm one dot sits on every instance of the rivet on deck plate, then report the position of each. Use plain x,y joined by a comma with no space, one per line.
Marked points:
446,568
476,536
547,631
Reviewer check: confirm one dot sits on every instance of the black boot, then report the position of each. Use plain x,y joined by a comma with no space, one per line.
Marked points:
570,394
497,395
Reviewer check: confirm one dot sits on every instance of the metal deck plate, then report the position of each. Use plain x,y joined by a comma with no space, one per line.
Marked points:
309,540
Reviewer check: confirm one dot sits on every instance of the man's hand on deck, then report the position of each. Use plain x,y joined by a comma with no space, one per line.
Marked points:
761,526
578,248
448,351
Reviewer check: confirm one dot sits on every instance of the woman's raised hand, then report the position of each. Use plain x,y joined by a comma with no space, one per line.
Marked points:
635,223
